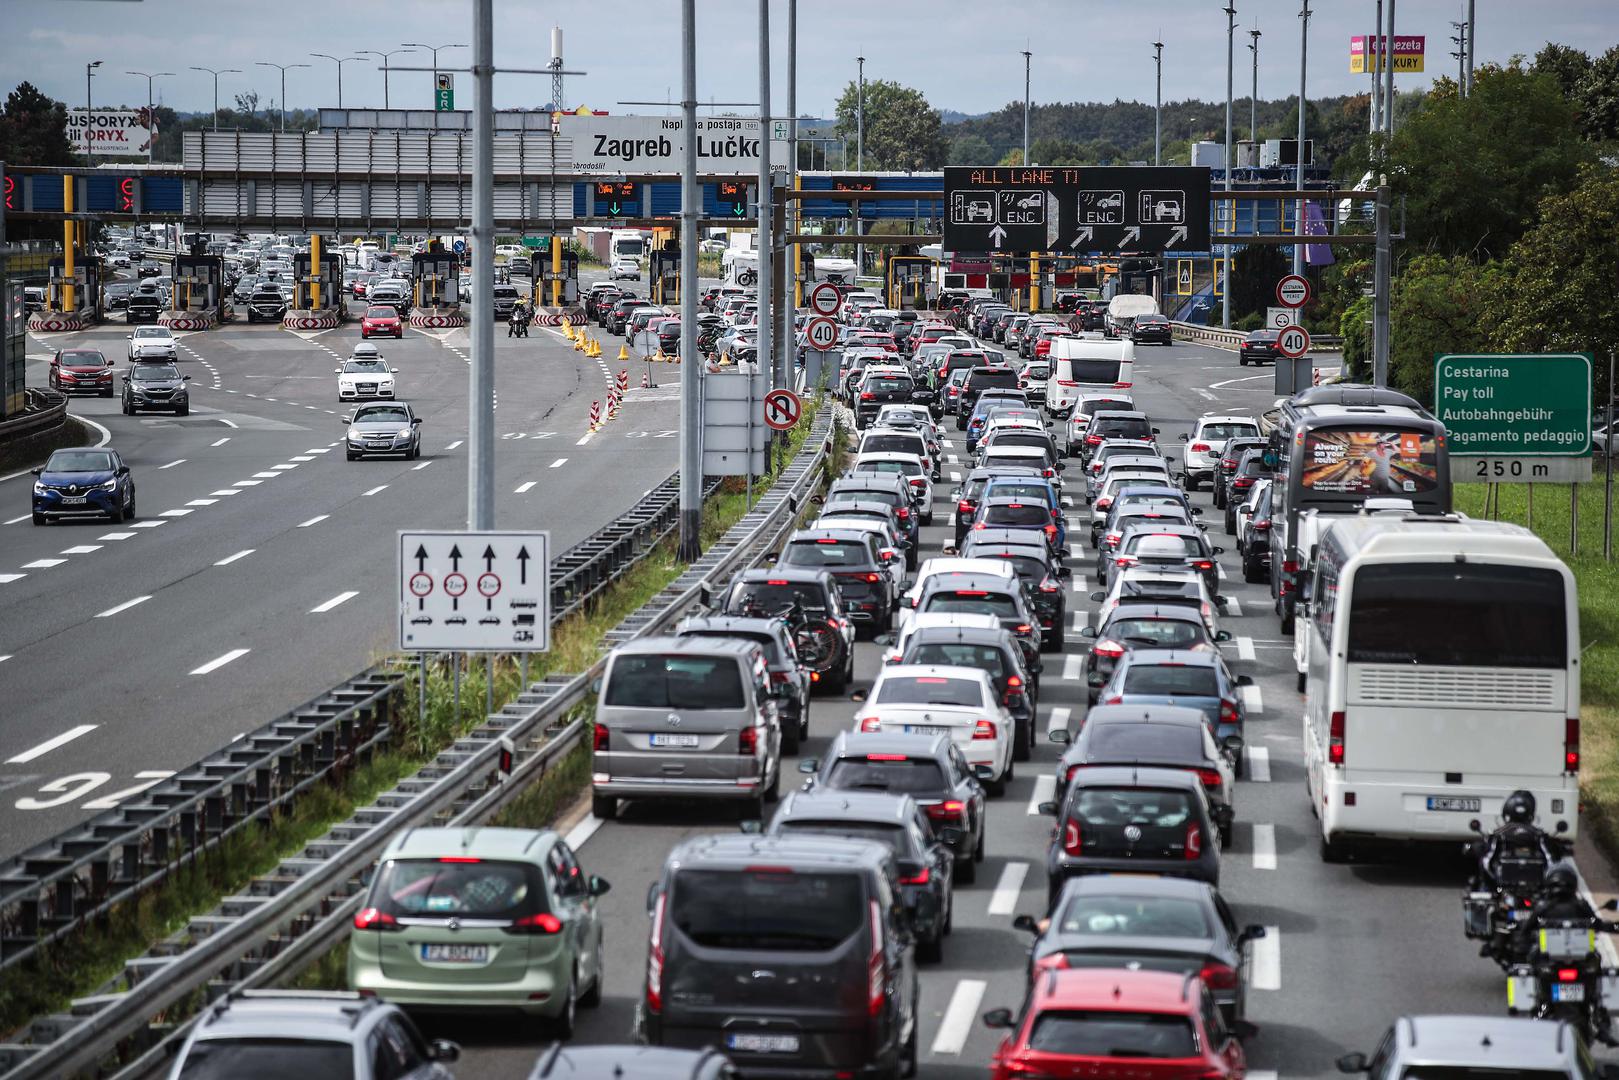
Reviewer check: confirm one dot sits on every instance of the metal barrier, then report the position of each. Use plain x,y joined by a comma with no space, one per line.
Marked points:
43,409
306,905
1221,338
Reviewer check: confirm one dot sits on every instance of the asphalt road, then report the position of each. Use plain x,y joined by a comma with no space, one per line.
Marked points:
1349,947
261,570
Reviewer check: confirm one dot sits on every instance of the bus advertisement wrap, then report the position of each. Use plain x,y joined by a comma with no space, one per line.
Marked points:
1370,463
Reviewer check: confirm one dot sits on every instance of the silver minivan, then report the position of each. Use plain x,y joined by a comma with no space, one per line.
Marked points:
682,717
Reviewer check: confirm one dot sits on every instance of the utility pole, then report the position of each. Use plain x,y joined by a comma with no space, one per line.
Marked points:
766,241
789,345
1253,96
1230,36
1373,65
216,74
149,78
691,412
1381,273
385,55
283,68
1386,58
859,162
1026,56
1158,105
89,113
481,386
1472,44
1304,55
1459,39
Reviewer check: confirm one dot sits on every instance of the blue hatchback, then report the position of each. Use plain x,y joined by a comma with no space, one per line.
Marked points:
1032,487
84,482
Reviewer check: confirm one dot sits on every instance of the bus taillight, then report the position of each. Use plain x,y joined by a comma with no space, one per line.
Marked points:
1335,740
1571,744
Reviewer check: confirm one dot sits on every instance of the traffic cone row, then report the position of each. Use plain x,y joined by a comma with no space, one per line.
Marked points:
613,398
567,330
595,416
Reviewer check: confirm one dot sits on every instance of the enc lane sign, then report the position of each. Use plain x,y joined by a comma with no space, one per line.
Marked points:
825,299
474,591
1076,209
1294,342
822,333
1293,291
1515,406
782,409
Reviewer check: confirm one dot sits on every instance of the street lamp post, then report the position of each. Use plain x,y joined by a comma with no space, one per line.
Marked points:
1253,97
339,61
860,161
432,49
1304,54
1026,55
283,68
89,112
1230,35
149,77
1158,106
385,55
216,74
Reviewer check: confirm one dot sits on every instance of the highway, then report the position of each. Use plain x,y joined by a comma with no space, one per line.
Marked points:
1349,947
260,571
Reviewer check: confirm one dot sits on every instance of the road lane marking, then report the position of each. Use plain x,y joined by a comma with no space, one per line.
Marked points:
373,491
423,465
582,441
19,518
42,564
959,1015
1068,500
228,559
178,511
1045,789
202,502
51,744
265,475
1264,847
284,466
1080,619
1079,583
1233,606
582,832
4,658
1252,701
147,524
316,520
1245,648
955,477
221,442
116,536
1070,666
558,463
1204,392
223,492
1003,901
81,549
247,483
319,450
172,464
456,443
1266,959
1058,721
1219,572
340,598
125,606
524,487
1258,764
220,661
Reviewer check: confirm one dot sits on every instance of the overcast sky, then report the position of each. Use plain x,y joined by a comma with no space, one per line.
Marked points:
963,56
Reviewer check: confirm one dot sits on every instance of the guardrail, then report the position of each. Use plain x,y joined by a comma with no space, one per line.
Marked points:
1222,338
44,409
306,905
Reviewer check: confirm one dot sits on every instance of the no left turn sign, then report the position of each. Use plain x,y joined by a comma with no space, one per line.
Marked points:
1294,342
1293,291
822,333
782,409
825,299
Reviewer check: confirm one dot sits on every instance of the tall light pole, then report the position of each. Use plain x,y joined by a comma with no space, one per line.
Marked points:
434,50
149,78
385,55
283,69
1253,97
481,382
1388,80
860,161
1472,44
1026,55
1459,39
789,300
339,61
766,239
1304,55
216,73
1158,106
89,113
691,405
1230,36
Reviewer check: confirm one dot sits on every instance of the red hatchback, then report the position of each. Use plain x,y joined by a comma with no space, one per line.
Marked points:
382,320
80,371
1094,1022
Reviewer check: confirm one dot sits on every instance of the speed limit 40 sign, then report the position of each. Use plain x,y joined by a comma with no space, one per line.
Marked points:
822,333
1294,342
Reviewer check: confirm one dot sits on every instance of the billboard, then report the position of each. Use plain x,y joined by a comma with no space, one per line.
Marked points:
1408,53
638,145
1370,463
112,132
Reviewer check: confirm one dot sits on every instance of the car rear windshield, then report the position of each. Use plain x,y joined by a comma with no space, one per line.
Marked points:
1114,1034
1024,489
896,444
775,597
1022,438
891,468
891,498
1017,514
79,461
674,681
1093,371
1156,633
886,384
1171,679
958,654
1227,431
892,835
1148,807
980,379
1123,429
832,554
1458,615
886,772
772,908
1479,1072
1135,916
1189,545
459,886
929,690
972,602
1096,405
268,1059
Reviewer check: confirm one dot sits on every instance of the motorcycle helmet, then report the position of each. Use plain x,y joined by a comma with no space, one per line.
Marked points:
1561,882
1519,808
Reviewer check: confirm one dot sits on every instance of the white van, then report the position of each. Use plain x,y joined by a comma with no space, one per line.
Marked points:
1086,364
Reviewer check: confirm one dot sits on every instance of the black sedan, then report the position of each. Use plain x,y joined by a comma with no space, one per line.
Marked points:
1142,626
1259,347
1154,328
1040,570
1150,924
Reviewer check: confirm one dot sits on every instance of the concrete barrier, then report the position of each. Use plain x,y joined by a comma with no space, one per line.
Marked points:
59,322
437,318
311,320
187,320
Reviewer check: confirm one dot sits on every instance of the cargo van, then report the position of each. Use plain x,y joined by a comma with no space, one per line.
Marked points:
1086,364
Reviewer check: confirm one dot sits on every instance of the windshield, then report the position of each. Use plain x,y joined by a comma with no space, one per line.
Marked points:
1171,679
986,658
463,887
929,690
1114,1034
381,313
774,909
1027,567
268,1059
1092,371
1491,615
674,681
1017,514
382,414
1135,916
832,554
1227,431
365,365
973,602
83,358
887,772
154,372
151,332
772,597
80,461
892,835
1156,633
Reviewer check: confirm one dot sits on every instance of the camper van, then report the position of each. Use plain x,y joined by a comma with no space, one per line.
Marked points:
1123,309
1084,364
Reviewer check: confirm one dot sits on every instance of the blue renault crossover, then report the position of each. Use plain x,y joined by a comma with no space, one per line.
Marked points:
84,482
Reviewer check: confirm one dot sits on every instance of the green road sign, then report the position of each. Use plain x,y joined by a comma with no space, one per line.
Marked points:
1510,405
444,92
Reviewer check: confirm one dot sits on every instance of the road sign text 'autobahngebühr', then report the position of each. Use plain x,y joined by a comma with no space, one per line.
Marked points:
1515,405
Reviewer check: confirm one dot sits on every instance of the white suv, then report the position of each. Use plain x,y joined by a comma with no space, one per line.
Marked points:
152,343
1207,442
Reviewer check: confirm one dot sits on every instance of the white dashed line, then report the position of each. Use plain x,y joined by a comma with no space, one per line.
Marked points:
81,549
524,486
221,442
1245,648
1079,583
116,536
1266,958
125,606
1080,620
19,518
51,744
316,520
1264,847
1070,666
284,466
220,661
1252,701
172,464
456,443
959,1015
582,441
178,511
419,468
43,564
319,450
1045,789
6,579
303,457
247,483
1003,901
340,598
1233,606
1258,764
955,477
265,475
558,463
227,560
373,491
202,502
148,524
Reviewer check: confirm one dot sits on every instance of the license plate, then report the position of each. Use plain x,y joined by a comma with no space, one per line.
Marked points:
1568,991
763,1044
70,499
925,729
1453,803
674,740
376,446
455,954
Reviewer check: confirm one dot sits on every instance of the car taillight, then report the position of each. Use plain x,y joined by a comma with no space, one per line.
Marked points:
1211,777
1049,473
922,877
1262,526
747,741
917,481
598,741
1216,976
1201,447
1073,840
984,729
877,966
871,723
1049,586
1202,564
949,810
1023,628
1194,840
535,924
1335,740
1104,502
1051,533
867,395
1112,539
1114,699
780,677
1228,712
1109,648
905,513
1093,440
654,961
1290,566
965,508
1571,744
1243,482
1124,560
372,919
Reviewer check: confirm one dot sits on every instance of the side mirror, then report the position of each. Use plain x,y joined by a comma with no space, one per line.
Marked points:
37,471
1050,809
998,1018
1155,431
1611,905
347,420
1088,631
1353,1063
599,886
415,421
1060,736
808,765
1026,923
1245,680
1098,596
1197,511
393,371
753,827
1060,466
1217,550
1252,932
652,897
949,549
858,696
596,685
1223,815
337,371
185,378
1233,744
108,362
1222,635
885,639
1096,679
1066,553
770,559
1065,573
949,834
443,1050
1184,437
983,773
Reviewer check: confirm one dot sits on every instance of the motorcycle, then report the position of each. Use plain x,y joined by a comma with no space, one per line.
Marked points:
1564,979
519,324
1503,894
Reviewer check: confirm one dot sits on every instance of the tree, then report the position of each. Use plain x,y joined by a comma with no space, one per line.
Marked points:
33,129
902,131
248,102
1599,97
1566,64
970,150
1441,304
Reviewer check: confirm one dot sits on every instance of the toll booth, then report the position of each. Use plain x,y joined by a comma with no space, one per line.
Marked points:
317,293
910,282
86,284
544,275
436,277
199,284
663,274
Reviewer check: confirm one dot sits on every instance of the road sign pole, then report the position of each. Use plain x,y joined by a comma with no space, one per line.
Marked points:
691,416
765,241
1380,285
1607,484
481,408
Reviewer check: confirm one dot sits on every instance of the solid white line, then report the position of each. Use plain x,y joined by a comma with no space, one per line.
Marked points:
219,662
221,442
1262,1074
202,502
1252,701
43,564
456,443
373,491
7,578
1266,958
81,549
178,511
125,606
1264,847
316,520
423,465
558,463
1258,764
227,423
1045,789
1070,666
1245,648
959,1015
106,436
1233,606
1058,720
580,833
227,560
1003,901
172,464
524,486
19,518
116,536
51,744
340,598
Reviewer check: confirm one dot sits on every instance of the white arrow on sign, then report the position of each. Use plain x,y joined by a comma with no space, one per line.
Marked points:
1132,234
1082,236
997,234
1176,234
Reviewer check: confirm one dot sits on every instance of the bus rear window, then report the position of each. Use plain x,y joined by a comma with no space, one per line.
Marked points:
1458,615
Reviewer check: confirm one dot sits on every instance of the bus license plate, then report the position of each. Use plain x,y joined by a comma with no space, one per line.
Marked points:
1568,991
763,1044
684,741
1454,803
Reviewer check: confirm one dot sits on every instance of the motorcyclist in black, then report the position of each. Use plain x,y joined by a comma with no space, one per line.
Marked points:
1514,858
1559,904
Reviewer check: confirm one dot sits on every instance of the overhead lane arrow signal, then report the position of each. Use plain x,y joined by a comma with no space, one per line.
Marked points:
455,557
1131,235
522,565
1083,235
997,234
1177,234
421,557
488,557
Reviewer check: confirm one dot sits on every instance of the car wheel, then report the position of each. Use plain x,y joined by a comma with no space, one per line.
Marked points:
1336,851
789,737
592,998
967,870
1219,497
1189,482
126,409
929,952
116,515
184,410
129,511
352,456
1250,570
603,807
1242,361
107,392
567,1019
